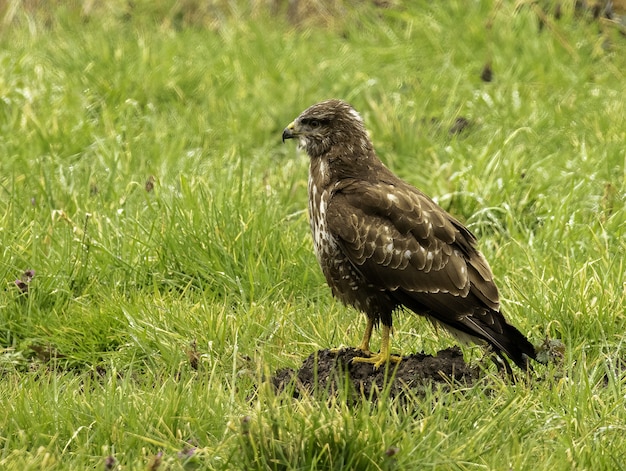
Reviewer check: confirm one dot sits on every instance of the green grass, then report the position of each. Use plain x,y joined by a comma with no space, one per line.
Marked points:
156,308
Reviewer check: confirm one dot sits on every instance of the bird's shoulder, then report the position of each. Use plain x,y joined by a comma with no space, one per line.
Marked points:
390,201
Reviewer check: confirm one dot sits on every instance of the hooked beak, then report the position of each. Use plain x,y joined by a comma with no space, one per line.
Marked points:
289,132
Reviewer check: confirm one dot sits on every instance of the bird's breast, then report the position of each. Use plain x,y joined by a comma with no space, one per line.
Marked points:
345,281
338,271
324,242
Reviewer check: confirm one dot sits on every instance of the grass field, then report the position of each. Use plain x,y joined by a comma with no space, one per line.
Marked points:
156,257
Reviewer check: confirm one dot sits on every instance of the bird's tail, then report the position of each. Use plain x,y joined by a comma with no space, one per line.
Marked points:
506,338
479,324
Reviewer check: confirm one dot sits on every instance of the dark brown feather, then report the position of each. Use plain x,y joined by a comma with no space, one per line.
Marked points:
382,243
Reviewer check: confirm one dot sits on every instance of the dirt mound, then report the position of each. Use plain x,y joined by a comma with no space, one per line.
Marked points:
329,370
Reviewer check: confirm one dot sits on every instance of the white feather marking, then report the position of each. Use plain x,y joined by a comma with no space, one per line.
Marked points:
355,114
323,242
323,169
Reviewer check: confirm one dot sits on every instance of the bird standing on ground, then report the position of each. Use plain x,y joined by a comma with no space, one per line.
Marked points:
383,244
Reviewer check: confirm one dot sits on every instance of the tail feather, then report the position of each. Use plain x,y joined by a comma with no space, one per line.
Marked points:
510,341
469,317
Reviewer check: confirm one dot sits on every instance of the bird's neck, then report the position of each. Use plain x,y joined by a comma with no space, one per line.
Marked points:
320,172
350,162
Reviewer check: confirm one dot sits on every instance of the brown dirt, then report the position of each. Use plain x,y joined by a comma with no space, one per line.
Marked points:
331,371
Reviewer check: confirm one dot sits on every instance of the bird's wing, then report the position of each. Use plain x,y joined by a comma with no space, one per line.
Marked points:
400,240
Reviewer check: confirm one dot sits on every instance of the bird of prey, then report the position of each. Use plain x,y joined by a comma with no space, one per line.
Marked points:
383,244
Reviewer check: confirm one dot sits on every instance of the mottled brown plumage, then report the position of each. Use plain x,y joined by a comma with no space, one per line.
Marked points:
383,244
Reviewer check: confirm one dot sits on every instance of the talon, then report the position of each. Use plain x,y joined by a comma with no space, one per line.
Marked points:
378,359
337,350
384,356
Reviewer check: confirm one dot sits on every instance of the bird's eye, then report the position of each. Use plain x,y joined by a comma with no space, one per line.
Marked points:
314,123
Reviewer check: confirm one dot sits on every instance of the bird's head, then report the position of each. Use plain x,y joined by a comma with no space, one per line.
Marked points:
328,124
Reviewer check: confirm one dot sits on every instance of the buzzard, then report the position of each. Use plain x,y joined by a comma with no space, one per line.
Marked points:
383,244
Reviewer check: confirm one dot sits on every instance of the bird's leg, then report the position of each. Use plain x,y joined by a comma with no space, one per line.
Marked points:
384,356
365,343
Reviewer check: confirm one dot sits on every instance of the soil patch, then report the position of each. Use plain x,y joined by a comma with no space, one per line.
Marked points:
330,371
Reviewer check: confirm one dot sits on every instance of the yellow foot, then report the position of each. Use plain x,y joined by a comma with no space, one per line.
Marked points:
384,356
378,359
